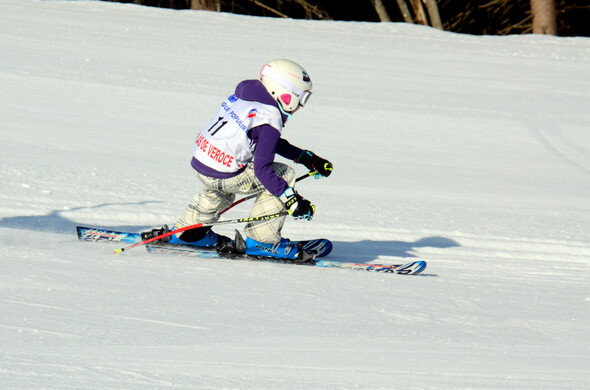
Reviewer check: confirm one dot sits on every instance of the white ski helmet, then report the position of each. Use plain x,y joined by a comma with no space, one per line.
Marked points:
287,82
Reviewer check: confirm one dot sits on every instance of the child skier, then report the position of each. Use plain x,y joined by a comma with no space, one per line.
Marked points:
235,153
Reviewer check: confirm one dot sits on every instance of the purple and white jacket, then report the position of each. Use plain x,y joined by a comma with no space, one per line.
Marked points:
247,128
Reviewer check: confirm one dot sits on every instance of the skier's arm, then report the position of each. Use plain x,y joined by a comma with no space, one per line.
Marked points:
267,138
285,149
309,159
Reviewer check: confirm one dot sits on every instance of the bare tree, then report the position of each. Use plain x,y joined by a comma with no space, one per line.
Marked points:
419,12
314,10
433,14
544,17
500,17
403,7
209,5
417,6
381,11
310,9
266,7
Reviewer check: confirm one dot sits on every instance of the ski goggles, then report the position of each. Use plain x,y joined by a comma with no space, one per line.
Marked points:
304,98
269,72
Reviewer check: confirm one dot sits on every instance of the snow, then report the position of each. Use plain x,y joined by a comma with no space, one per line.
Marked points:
472,153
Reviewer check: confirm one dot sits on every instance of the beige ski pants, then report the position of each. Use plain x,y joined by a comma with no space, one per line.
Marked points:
218,194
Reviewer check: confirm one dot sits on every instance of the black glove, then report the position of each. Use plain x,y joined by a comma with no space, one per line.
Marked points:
314,162
297,206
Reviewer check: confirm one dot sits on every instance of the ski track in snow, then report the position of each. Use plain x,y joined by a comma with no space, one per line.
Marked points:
562,145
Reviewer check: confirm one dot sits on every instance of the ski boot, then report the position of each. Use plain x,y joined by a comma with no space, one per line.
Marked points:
232,249
155,233
283,251
200,237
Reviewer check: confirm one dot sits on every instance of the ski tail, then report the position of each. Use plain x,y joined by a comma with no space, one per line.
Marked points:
106,235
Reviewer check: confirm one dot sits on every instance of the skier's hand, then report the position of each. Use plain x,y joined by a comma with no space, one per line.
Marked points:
297,206
313,162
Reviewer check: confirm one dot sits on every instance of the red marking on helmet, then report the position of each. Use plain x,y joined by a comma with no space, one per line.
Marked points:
286,98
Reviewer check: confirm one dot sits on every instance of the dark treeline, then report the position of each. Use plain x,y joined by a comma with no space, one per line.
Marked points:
479,17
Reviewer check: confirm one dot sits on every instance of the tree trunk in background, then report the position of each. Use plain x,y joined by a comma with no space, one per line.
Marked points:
433,14
403,7
209,5
313,10
266,7
419,12
381,11
544,17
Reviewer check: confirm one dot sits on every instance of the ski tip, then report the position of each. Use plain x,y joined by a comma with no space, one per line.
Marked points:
420,266
117,251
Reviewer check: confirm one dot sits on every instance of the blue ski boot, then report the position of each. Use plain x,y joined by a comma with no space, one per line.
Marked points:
284,250
208,241
200,237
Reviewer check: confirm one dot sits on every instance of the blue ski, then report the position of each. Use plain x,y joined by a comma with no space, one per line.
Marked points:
105,235
321,247
412,268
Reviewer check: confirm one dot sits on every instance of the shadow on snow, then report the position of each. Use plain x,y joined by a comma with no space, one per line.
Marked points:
55,222
369,250
359,251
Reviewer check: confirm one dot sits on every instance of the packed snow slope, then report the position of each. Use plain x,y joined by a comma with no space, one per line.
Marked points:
472,153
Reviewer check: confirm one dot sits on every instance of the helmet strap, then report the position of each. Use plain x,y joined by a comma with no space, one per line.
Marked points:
289,115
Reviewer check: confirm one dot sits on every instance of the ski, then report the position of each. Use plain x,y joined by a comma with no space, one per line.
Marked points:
321,247
412,268
106,235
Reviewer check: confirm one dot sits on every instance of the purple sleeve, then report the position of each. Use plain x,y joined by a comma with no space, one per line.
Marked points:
268,142
285,149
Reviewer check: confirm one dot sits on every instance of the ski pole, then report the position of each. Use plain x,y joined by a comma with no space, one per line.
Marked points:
199,225
308,174
239,220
